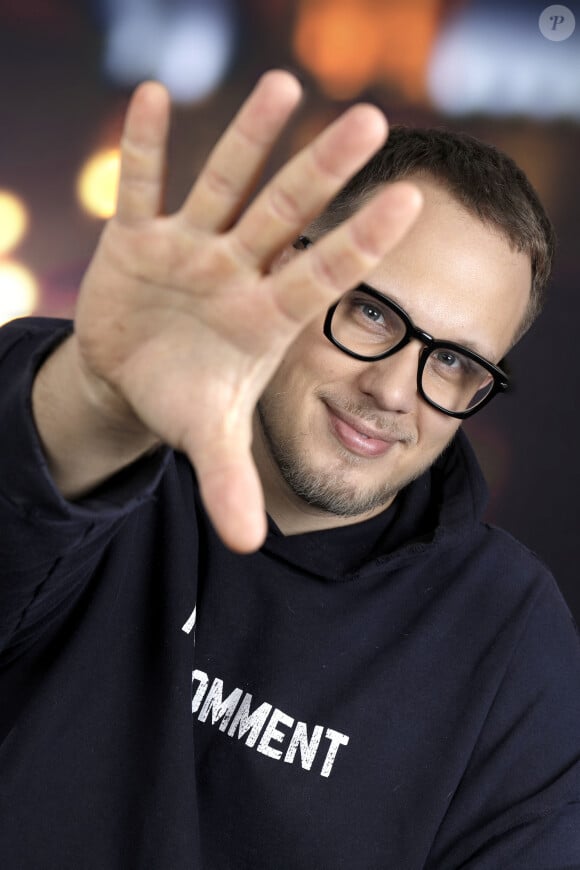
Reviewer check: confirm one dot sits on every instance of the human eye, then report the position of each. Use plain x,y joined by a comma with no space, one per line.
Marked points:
449,363
447,359
369,313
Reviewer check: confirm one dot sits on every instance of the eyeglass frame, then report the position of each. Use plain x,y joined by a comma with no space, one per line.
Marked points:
501,382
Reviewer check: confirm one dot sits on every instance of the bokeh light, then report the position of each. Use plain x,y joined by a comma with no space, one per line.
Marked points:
196,53
98,183
13,221
500,65
187,44
19,293
352,44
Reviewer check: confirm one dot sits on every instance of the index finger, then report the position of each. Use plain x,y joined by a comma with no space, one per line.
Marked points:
306,184
235,164
345,255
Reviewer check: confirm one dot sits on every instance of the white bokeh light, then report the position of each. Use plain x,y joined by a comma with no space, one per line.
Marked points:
185,45
196,53
497,63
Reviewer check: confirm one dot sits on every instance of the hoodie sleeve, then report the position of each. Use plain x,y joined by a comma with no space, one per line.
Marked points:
518,805
46,542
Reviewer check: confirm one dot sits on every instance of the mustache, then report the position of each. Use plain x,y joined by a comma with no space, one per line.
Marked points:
367,413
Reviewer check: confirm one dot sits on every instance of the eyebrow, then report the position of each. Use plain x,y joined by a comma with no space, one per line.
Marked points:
468,345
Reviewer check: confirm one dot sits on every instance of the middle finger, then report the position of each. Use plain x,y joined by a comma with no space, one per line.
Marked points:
308,182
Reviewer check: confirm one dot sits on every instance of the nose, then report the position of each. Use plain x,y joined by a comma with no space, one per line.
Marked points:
392,382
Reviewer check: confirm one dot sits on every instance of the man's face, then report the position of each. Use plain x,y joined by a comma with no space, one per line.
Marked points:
458,280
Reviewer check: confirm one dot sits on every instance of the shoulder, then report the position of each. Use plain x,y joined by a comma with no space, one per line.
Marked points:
502,545
29,334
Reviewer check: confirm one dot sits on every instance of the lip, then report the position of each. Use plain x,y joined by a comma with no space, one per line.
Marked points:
356,436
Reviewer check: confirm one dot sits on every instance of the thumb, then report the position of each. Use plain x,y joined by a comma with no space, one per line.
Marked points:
232,494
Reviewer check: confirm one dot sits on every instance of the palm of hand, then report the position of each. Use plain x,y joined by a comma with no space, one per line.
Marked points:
183,317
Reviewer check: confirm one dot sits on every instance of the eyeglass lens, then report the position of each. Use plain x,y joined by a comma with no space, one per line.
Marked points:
450,379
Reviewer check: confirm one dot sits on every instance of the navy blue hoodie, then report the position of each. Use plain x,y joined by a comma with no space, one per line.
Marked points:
403,693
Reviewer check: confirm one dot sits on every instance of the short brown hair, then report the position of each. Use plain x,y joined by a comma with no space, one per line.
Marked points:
484,180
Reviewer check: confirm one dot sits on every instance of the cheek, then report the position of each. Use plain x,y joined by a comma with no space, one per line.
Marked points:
435,429
311,360
441,429
292,383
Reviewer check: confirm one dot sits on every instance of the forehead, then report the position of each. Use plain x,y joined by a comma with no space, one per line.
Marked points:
457,277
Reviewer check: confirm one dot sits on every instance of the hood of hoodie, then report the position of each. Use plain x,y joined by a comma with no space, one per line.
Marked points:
439,507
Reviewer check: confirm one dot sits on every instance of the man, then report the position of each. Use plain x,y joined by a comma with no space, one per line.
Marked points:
374,680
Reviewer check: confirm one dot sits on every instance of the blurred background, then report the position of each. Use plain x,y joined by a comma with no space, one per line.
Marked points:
507,72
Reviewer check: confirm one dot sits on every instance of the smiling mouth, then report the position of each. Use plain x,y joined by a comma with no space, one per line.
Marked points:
356,437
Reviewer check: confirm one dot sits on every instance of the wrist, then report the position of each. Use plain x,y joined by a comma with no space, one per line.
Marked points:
104,405
87,430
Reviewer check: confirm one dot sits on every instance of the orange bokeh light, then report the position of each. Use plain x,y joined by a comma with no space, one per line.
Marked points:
13,221
351,44
98,183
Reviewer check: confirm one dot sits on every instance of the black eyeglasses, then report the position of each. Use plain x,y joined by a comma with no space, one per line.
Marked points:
451,378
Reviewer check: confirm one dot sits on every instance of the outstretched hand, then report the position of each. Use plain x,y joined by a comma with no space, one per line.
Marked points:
181,318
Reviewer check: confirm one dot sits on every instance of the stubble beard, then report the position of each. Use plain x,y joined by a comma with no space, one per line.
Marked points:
322,489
